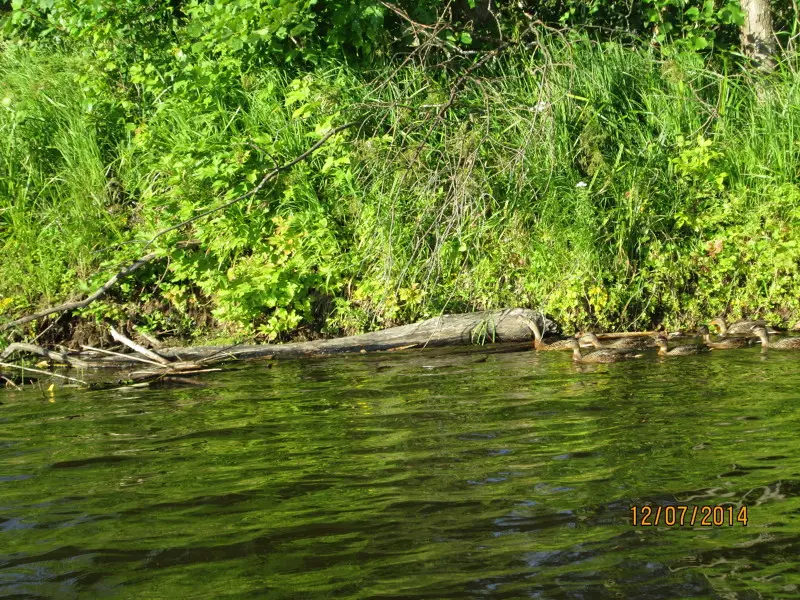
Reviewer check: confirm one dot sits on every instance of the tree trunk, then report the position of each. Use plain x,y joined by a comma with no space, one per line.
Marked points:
758,39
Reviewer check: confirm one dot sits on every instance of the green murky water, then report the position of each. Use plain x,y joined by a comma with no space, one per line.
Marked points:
433,474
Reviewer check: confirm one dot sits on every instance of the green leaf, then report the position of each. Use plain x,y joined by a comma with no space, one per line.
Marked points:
466,38
195,29
698,42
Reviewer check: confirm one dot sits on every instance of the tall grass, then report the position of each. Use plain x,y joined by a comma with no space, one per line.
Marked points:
56,203
558,173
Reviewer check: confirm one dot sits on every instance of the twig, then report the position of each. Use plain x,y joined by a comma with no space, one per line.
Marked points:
125,356
163,373
13,366
89,299
49,354
137,348
155,343
620,334
11,383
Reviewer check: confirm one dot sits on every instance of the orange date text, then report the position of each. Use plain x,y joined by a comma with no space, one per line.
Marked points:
684,515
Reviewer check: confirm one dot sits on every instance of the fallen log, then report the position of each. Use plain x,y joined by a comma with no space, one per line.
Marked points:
176,365
508,325
51,355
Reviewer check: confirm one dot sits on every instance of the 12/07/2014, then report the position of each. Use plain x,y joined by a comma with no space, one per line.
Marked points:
684,515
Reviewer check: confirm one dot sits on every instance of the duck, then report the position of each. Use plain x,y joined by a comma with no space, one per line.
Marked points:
791,343
737,328
722,343
606,355
635,343
541,345
686,350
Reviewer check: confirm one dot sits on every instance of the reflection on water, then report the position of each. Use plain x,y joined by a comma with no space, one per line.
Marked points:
419,474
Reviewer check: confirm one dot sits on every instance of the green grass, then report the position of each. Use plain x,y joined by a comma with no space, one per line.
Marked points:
56,203
570,179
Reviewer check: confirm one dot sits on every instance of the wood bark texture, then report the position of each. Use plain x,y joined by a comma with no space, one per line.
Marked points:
506,325
758,39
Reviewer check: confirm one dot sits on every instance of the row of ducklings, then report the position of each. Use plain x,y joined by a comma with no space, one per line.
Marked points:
737,335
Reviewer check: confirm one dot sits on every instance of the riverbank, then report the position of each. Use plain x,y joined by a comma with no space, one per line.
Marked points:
609,186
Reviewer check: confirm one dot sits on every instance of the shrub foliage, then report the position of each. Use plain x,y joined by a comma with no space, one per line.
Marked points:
612,163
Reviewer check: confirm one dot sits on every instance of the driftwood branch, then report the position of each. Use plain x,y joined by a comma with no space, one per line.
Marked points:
89,299
124,357
48,354
622,334
48,373
140,349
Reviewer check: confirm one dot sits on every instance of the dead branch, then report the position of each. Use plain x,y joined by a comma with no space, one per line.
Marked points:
126,357
151,256
32,370
161,374
137,348
49,354
89,299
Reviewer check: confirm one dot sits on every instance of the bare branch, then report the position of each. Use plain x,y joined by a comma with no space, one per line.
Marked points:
89,299
137,348
49,354
32,370
151,256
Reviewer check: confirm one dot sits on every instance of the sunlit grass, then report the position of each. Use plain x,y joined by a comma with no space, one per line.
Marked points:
557,179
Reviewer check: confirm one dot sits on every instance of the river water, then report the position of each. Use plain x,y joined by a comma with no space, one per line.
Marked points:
468,473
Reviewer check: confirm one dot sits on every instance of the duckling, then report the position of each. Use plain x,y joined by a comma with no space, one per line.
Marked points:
541,345
661,342
722,343
737,328
606,355
635,343
792,343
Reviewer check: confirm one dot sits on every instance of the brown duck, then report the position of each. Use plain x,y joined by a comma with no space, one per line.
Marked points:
686,350
737,328
606,355
635,343
541,345
792,343
722,343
